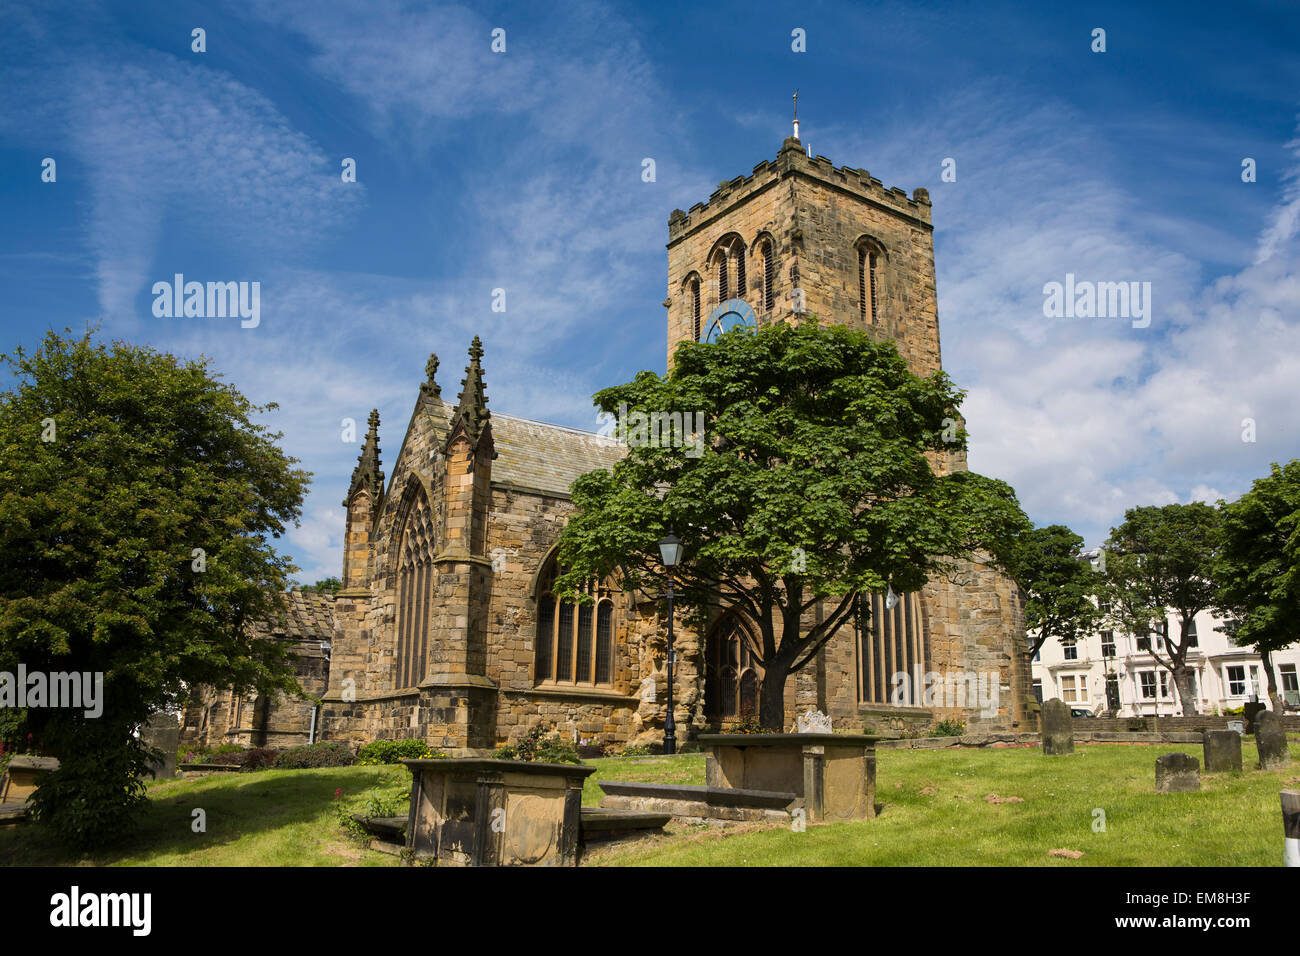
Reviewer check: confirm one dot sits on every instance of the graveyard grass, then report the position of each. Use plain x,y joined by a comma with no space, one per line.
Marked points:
932,805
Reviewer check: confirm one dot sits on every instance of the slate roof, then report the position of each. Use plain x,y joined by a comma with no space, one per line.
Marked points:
548,457
309,616
538,455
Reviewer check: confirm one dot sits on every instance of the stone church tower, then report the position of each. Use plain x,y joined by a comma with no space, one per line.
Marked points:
446,628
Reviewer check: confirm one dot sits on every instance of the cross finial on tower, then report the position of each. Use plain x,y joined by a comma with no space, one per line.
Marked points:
796,114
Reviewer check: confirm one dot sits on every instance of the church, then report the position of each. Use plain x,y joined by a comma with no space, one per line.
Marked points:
446,627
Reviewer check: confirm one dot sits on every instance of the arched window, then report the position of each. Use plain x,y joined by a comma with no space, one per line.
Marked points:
414,589
720,265
871,263
693,304
732,678
728,261
575,642
891,641
769,273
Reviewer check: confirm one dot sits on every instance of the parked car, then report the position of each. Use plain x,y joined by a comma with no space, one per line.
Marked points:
1080,712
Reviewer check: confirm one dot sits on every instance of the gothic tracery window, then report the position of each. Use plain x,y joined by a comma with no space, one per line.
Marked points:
728,262
414,590
732,675
575,642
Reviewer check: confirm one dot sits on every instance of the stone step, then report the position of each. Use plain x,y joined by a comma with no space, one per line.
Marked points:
12,813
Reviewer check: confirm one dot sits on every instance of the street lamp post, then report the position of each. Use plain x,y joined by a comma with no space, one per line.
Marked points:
670,551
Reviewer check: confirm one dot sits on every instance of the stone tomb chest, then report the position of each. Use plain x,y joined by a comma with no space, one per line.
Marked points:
482,812
835,774
23,776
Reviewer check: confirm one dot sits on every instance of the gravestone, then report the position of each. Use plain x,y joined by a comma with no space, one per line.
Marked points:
1238,727
1270,741
1222,751
814,722
1058,727
1178,773
1251,712
163,732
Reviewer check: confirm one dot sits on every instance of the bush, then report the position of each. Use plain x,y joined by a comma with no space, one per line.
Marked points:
749,724
329,753
635,750
948,728
394,751
539,748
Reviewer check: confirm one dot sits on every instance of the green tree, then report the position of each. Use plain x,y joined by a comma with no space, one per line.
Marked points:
811,483
325,586
137,504
1161,560
1060,585
1258,571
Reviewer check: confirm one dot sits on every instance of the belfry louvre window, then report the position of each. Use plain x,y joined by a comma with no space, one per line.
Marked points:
868,284
891,641
694,292
575,642
769,275
729,263
414,591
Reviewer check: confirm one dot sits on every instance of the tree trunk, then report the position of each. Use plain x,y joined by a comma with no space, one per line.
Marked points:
771,696
1274,695
1184,681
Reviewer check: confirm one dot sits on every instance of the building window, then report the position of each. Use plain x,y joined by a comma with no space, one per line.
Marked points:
1144,643
890,641
731,677
1038,691
729,264
575,642
414,588
1107,643
1147,681
693,301
870,262
1074,689
1236,679
1071,648
1290,683
769,275
1192,638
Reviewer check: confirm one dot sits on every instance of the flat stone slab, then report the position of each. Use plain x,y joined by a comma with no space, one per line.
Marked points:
392,829
710,796
604,824
12,813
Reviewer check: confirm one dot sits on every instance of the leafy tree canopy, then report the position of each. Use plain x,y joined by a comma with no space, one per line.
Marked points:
814,477
138,504
1060,586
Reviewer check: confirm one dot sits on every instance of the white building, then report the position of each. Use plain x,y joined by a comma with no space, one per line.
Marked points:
1115,674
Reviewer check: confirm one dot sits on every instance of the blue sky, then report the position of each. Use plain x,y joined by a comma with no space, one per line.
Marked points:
522,170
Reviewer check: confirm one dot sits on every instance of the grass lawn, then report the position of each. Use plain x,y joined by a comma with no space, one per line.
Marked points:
267,818
933,812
